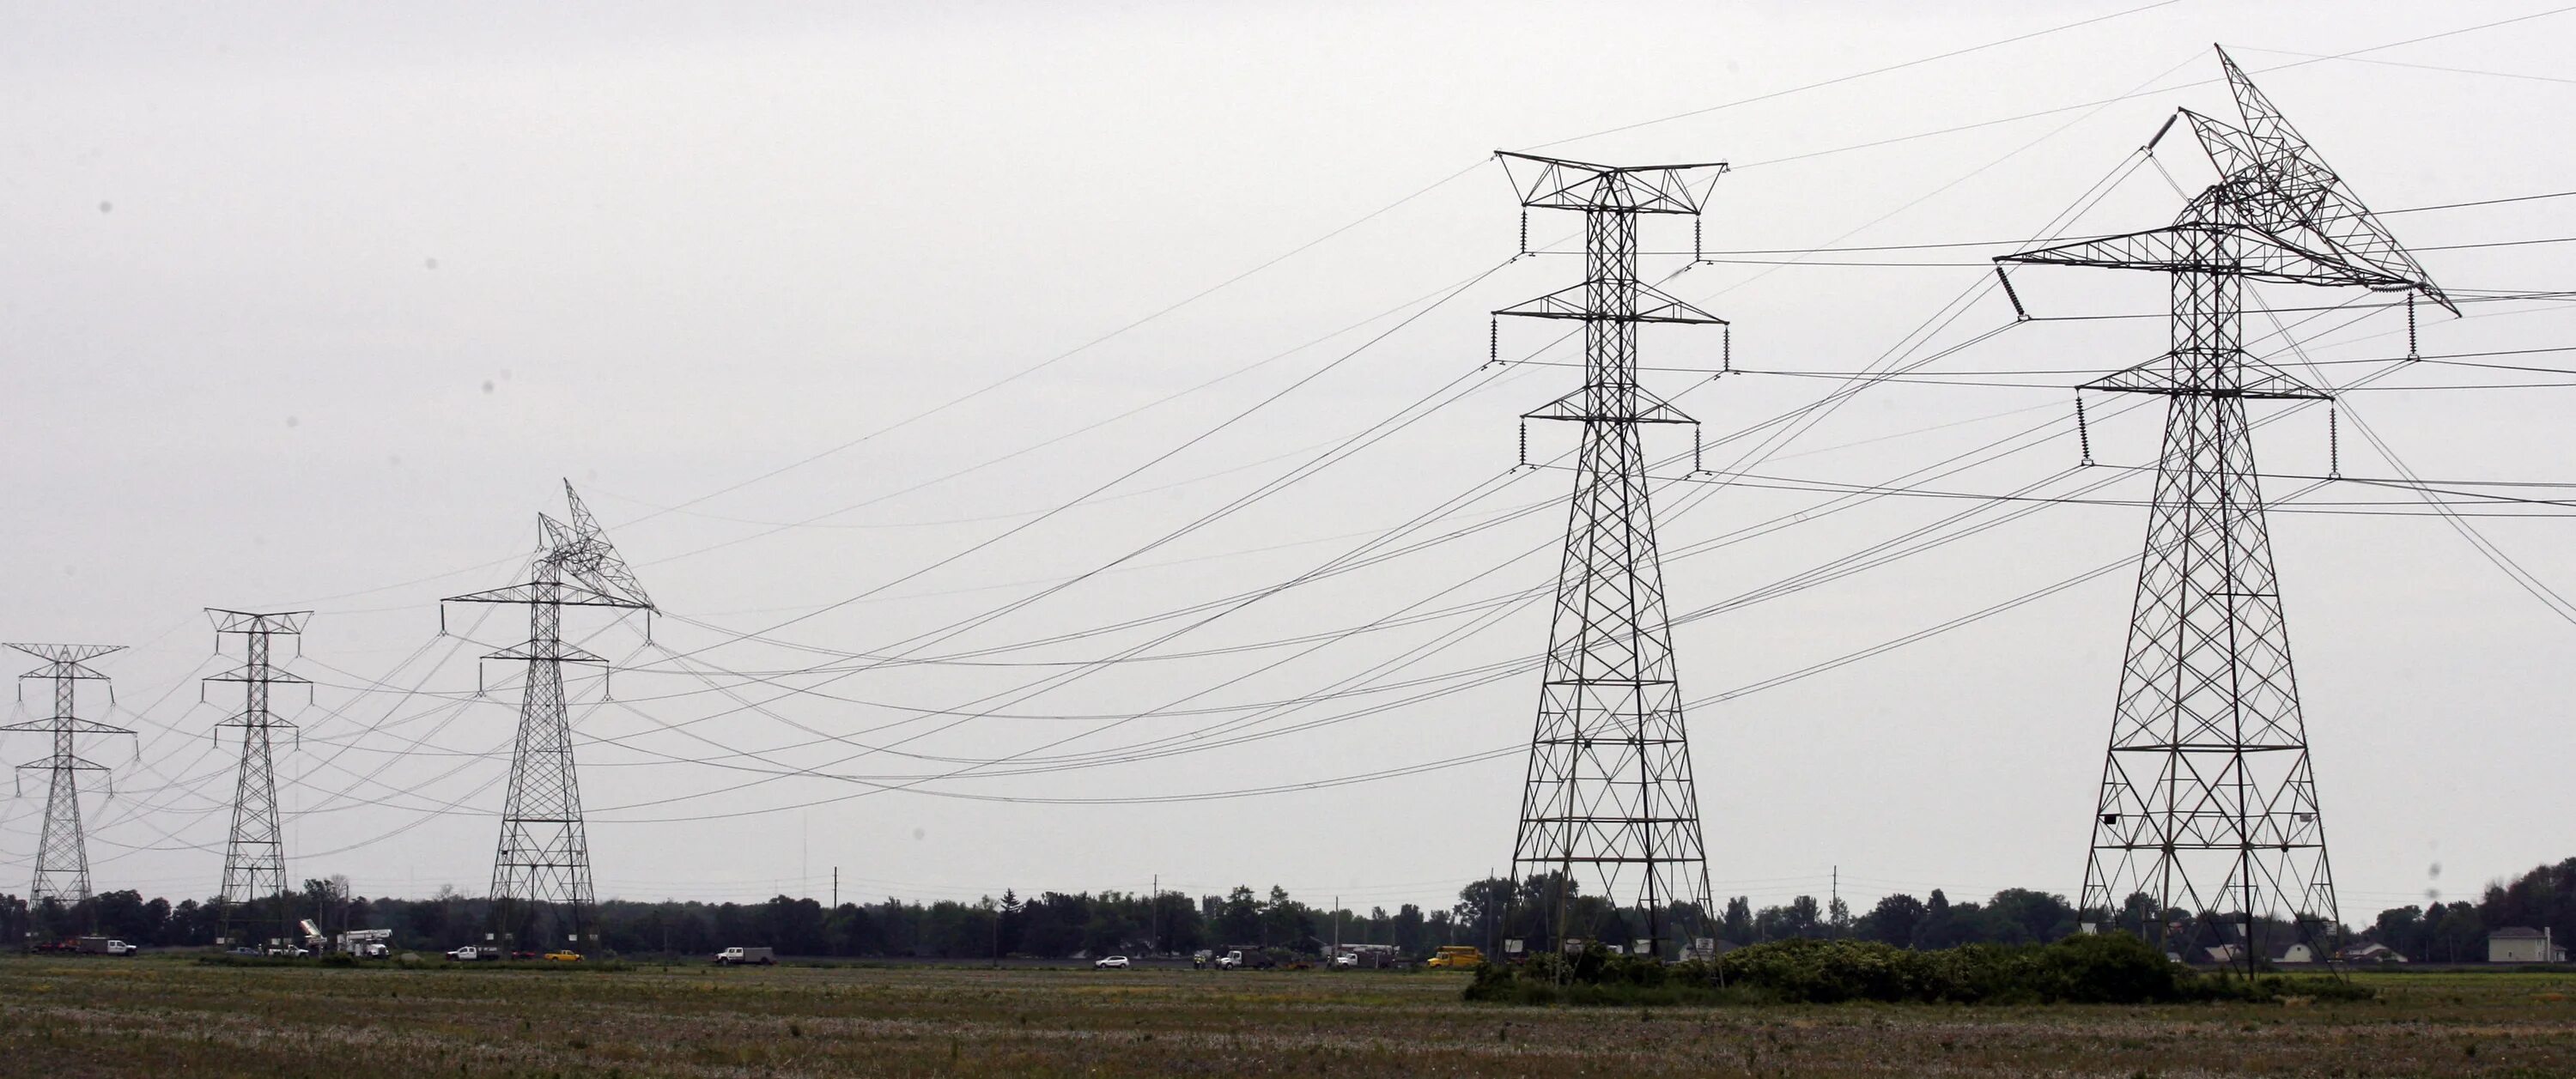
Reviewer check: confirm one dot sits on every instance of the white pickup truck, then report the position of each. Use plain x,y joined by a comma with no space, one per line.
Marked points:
737,957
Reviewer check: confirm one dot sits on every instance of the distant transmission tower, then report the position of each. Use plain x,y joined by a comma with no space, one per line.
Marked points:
255,855
2209,808
541,880
1609,785
62,855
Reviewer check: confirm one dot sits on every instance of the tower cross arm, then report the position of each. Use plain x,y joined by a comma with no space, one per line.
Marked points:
1555,183
73,724
260,673
564,592
2196,247
74,654
285,622
61,762
2280,186
1651,305
1585,405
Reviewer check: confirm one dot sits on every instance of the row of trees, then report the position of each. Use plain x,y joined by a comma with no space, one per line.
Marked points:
1057,924
2544,898
1052,924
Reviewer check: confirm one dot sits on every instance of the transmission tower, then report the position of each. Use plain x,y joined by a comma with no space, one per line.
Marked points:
62,855
541,882
2208,814
255,855
1609,783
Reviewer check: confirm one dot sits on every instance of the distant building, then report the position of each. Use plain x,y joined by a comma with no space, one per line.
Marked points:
2523,944
2297,953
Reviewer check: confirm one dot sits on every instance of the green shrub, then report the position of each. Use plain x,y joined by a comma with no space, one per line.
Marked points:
2111,968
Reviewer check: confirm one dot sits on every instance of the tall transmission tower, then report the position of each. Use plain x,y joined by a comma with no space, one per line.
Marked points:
1609,784
62,855
2208,814
541,883
255,854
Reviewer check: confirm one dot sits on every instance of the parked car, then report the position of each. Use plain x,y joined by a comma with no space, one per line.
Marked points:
244,949
1109,962
105,946
1457,957
735,957
470,953
563,957
1346,961
287,951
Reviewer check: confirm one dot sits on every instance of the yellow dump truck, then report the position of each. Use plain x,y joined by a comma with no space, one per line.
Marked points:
1457,957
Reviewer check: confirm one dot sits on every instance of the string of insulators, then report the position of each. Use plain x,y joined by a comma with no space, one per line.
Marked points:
1726,349
1695,233
2083,435
2411,354
1493,342
1524,443
1696,464
1524,230
2334,442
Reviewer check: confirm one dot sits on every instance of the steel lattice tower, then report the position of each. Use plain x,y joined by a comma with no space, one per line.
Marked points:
255,854
62,855
2208,807
542,868
1609,784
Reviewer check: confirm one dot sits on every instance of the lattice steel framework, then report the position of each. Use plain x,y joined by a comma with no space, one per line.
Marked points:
255,853
62,853
541,882
2208,810
1608,798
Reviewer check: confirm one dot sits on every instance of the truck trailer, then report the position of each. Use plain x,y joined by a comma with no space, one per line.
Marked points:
104,946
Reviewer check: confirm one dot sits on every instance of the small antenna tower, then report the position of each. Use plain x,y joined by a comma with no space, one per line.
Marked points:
541,882
2208,808
255,855
62,855
1609,784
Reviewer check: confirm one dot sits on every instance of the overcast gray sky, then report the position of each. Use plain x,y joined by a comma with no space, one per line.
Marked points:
312,306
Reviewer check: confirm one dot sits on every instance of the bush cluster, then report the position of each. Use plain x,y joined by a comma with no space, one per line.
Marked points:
2109,969
2106,969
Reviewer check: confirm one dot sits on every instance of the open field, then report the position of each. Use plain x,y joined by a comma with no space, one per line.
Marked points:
169,1016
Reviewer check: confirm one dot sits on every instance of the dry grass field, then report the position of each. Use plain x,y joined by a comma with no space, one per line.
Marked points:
174,1017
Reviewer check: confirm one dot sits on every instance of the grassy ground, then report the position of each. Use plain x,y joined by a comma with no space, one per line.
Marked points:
172,1017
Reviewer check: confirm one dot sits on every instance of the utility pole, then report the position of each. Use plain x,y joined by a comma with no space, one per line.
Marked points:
2208,800
255,854
62,854
1609,784
541,872
836,887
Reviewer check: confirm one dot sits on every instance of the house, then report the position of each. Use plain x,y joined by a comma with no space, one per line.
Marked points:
2297,953
2371,952
2523,944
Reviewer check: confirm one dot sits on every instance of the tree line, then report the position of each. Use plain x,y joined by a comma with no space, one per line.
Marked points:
2544,898
1538,911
